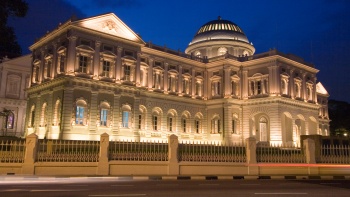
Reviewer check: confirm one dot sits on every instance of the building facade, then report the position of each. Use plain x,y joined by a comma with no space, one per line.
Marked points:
14,78
96,75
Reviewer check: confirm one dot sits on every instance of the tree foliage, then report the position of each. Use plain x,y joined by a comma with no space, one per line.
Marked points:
8,43
339,113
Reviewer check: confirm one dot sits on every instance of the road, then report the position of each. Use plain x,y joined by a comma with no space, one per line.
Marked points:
99,187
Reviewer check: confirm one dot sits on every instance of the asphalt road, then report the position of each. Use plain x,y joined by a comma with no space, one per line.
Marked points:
96,187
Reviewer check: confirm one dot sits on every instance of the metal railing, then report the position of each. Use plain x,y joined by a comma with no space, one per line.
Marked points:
279,154
212,152
68,151
12,151
138,151
335,154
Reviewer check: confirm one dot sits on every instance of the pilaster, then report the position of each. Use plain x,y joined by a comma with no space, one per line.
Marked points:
138,70
96,62
71,55
118,68
116,113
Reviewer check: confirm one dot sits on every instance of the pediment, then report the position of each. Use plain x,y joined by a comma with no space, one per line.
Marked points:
321,89
109,24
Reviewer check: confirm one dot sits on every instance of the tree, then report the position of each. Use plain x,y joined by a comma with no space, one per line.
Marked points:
8,43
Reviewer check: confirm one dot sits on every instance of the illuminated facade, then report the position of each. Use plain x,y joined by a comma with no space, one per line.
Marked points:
96,75
14,78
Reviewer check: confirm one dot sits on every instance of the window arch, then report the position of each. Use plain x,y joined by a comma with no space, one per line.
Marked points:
105,114
156,119
81,112
215,124
222,51
126,116
142,117
171,121
198,123
185,123
57,113
31,116
43,118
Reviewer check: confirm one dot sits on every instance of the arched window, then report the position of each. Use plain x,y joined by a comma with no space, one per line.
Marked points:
31,116
156,120
81,112
10,120
185,123
43,118
126,116
263,129
234,123
198,123
171,121
57,113
215,125
222,51
104,114
142,117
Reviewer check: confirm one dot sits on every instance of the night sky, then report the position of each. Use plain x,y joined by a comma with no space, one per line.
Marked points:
316,30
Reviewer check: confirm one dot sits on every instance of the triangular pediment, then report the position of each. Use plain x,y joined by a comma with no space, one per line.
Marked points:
109,24
320,89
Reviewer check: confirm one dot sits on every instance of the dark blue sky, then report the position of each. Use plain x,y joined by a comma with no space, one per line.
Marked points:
316,30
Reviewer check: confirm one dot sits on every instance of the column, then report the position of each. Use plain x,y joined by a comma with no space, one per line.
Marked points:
180,80
271,79
71,55
314,93
138,70
304,95
54,64
3,81
166,78
245,85
67,108
193,84
42,68
227,80
206,83
291,84
118,68
227,124
93,111
116,113
150,74
136,113
96,62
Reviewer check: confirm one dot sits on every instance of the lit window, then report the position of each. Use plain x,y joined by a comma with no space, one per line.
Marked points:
10,120
80,114
215,125
106,68
125,119
104,113
184,121
155,122
83,63
127,72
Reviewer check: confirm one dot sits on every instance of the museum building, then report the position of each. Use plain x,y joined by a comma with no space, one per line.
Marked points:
95,76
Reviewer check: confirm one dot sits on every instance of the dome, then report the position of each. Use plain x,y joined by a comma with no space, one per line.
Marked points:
219,30
219,37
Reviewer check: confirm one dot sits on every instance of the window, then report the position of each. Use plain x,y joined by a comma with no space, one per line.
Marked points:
222,51
12,86
155,122
216,88
125,119
127,72
171,121
103,118
10,120
234,123
83,63
106,68
170,124
80,113
48,68
142,117
183,125
215,125
126,116
61,60
140,122
186,86
197,125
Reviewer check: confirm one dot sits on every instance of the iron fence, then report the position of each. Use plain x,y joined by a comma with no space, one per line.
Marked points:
68,151
138,151
12,151
335,154
279,154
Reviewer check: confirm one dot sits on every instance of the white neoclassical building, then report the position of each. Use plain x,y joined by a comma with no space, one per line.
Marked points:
96,75
14,78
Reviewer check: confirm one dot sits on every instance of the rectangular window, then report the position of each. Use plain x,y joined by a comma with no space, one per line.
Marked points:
62,63
259,87
83,62
155,123
32,119
197,125
233,126
79,117
104,113
170,124
140,121
49,65
127,71
106,68
184,125
125,119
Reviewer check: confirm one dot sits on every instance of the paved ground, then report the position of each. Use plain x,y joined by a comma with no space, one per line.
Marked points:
113,186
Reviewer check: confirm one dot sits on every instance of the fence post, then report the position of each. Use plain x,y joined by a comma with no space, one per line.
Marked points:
251,156
103,165
309,150
30,154
173,163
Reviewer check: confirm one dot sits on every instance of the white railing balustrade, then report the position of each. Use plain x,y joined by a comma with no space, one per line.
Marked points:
212,152
68,151
279,154
335,154
138,151
12,151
